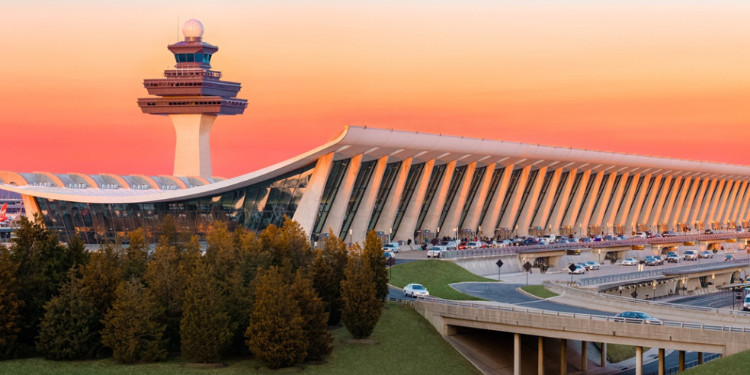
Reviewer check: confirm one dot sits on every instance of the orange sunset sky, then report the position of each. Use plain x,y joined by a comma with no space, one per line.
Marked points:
666,78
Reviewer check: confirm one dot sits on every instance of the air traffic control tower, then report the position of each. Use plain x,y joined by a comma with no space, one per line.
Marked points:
192,95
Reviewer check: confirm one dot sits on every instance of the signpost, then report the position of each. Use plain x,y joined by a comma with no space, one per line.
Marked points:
499,266
572,267
527,267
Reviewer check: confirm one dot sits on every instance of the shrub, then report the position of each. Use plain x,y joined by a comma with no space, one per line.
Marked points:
362,307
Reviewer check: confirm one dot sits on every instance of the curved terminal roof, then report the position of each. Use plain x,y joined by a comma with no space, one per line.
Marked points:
373,143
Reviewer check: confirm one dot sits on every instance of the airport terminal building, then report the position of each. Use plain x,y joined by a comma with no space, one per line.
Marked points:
404,185
409,186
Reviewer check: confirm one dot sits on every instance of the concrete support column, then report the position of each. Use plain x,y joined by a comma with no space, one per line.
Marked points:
555,219
638,360
388,215
524,219
341,200
475,210
690,204
576,201
634,214
622,214
509,216
700,358
563,357
192,154
516,354
540,356
661,361
584,360
308,205
681,365
603,361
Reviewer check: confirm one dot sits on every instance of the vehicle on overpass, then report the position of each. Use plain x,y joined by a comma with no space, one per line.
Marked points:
690,255
416,290
707,254
636,317
630,262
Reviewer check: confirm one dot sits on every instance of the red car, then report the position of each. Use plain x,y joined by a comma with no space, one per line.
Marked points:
462,246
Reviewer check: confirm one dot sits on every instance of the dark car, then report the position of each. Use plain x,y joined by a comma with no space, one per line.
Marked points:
636,317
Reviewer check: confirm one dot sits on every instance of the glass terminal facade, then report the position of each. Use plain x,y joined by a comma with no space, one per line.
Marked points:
252,207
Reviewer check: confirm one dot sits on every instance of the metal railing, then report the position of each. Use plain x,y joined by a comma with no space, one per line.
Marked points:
596,244
693,363
588,293
661,272
607,318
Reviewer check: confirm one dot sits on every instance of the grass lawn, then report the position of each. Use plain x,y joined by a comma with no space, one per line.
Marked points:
539,291
738,364
406,344
618,353
435,275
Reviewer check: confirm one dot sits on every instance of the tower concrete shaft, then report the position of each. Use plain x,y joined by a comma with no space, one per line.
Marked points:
192,154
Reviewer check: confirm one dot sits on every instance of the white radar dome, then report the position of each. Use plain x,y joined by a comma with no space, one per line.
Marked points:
192,29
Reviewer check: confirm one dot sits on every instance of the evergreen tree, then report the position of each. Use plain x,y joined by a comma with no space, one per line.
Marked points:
315,317
205,328
328,272
135,260
42,267
362,307
131,326
70,328
77,253
166,281
10,305
276,332
300,252
101,276
169,232
374,253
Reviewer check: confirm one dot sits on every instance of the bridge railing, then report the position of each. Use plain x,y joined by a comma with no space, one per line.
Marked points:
608,318
660,272
588,294
594,244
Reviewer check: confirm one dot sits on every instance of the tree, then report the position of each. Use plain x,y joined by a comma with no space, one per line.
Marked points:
328,272
42,267
276,332
362,307
70,328
101,276
314,316
205,328
10,305
135,260
374,253
166,281
131,326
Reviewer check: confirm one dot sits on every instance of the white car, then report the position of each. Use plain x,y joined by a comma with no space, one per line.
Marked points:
393,246
640,235
416,290
436,251
578,271
474,245
630,262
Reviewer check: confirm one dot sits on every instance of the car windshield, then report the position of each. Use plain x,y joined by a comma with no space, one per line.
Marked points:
417,287
641,315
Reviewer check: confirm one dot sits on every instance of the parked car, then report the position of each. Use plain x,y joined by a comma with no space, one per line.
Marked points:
708,231
690,255
449,245
462,246
640,235
672,257
669,233
746,304
636,317
416,290
592,265
728,257
435,251
579,270
630,262
660,259
707,254
393,246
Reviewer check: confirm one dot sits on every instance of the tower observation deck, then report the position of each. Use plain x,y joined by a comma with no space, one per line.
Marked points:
192,95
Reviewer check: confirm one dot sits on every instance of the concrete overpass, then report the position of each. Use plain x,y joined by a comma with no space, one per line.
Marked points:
450,317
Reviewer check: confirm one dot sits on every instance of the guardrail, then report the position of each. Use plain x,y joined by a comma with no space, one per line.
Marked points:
595,244
607,318
661,272
588,293
676,369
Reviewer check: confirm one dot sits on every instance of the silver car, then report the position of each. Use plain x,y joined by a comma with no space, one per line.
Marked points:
416,290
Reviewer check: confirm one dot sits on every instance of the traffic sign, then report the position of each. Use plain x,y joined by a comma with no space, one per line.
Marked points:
499,263
572,267
527,266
